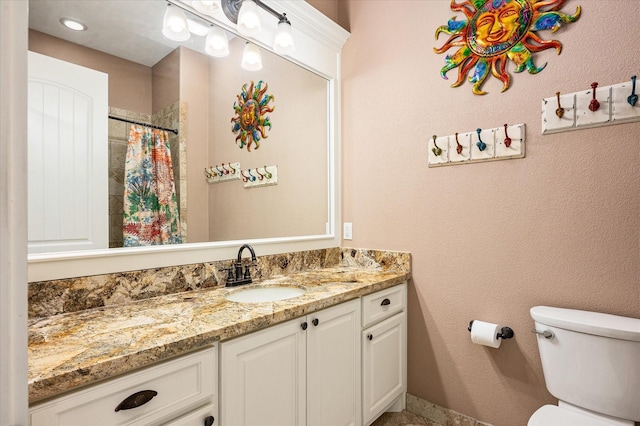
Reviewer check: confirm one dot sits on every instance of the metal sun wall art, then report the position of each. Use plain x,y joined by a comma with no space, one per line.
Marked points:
250,121
496,31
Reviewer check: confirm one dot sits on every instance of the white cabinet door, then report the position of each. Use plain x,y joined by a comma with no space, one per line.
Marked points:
68,155
333,366
263,378
305,371
383,365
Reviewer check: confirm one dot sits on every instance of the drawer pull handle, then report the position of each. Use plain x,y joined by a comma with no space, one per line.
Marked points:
209,421
315,322
303,325
370,336
136,400
385,302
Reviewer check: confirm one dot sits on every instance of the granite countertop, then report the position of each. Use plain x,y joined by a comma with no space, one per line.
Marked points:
75,349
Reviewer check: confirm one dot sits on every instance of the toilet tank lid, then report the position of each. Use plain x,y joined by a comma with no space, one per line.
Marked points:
596,323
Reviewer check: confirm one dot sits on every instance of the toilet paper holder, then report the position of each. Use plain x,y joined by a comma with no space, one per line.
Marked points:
505,332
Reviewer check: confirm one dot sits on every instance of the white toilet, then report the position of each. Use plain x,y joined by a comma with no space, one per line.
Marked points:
591,363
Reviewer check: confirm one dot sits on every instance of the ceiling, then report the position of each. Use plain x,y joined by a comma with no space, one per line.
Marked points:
129,29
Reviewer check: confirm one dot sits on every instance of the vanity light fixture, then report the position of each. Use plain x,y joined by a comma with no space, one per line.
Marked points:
251,58
244,13
73,24
174,25
217,43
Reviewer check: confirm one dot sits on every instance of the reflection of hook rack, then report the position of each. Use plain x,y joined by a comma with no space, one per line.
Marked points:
267,175
225,172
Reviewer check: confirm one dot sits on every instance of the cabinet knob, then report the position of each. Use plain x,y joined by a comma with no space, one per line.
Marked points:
370,336
315,322
209,421
385,302
136,400
303,325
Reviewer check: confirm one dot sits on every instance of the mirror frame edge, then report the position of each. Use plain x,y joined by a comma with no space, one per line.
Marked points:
319,42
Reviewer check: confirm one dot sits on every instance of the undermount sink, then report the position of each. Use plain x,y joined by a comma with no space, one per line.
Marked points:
265,294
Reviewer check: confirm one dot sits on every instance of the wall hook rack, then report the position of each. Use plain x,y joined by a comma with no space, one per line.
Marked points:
222,173
260,176
480,145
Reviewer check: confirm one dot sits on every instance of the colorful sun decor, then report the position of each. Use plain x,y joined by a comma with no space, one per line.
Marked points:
250,121
496,31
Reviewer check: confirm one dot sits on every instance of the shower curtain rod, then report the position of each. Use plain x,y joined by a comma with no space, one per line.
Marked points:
175,131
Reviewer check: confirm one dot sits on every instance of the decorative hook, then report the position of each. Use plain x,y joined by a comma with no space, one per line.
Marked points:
260,175
267,173
633,98
252,178
208,173
481,145
594,104
459,147
233,170
244,178
559,110
220,172
436,151
226,171
507,139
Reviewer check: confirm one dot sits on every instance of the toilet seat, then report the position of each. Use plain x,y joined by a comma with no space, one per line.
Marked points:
552,415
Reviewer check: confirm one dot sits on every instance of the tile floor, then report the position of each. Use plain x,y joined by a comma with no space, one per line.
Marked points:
404,418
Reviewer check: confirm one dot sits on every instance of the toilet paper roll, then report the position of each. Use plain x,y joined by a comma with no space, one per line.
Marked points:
485,333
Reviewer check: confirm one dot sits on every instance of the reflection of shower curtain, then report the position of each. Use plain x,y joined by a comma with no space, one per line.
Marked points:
150,200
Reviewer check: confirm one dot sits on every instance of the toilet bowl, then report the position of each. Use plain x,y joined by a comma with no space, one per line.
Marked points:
591,363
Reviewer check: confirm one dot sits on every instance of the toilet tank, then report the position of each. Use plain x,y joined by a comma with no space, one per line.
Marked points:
592,360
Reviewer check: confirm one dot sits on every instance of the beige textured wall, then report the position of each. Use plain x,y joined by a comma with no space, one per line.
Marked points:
129,83
489,241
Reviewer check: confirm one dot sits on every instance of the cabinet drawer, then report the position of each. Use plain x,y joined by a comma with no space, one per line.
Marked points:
206,415
383,304
179,384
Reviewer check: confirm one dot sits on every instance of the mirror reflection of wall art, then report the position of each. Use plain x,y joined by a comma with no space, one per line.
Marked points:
496,31
251,121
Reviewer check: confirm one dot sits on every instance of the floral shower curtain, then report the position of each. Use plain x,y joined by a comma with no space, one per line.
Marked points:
150,200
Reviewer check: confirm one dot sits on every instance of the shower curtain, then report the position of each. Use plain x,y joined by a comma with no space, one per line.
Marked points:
150,200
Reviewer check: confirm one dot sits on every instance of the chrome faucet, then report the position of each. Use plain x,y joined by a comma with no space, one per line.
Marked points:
236,276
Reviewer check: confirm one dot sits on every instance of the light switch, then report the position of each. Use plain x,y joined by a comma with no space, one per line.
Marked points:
483,145
515,142
438,150
584,116
464,139
551,109
621,109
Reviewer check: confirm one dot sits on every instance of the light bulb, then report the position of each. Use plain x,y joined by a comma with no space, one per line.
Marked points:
283,41
248,19
217,43
251,58
174,25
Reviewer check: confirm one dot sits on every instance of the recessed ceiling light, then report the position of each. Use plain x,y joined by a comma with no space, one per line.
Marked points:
73,24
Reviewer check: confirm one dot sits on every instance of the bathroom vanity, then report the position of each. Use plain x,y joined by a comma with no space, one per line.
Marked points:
336,354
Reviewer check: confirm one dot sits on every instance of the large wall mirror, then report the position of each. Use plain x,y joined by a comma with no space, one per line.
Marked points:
177,86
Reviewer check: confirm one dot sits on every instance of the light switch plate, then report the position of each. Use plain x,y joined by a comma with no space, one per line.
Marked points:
584,116
516,149
488,137
550,120
443,144
465,141
621,109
